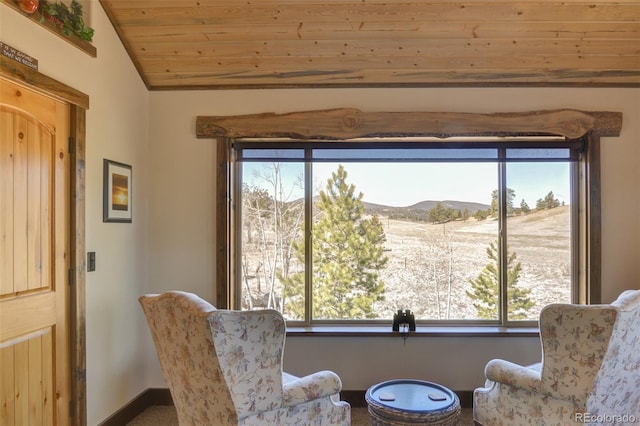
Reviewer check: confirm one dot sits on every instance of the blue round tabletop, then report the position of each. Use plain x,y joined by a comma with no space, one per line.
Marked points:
416,396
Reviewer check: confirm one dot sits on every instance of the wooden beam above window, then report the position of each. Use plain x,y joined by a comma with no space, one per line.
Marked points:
349,123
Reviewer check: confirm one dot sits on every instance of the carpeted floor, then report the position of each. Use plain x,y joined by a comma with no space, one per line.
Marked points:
166,416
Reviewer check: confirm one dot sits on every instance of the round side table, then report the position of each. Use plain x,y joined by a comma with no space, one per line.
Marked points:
412,402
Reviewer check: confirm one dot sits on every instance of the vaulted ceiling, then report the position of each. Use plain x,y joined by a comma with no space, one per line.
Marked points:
186,44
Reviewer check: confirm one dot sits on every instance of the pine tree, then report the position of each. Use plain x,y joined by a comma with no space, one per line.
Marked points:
437,214
551,201
524,207
486,294
347,254
493,208
548,202
481,214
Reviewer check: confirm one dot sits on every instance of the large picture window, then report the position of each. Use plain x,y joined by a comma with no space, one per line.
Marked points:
471,231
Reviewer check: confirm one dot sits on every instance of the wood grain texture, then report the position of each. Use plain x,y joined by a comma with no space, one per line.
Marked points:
224,44
20,317
22,127
27,386
78,265
22,74
35,311
6,200
224,243
351,123
593,175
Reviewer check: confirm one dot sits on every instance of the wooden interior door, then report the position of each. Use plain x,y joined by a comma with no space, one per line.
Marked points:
34,250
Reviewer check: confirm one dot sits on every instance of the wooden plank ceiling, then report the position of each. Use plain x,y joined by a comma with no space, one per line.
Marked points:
185,44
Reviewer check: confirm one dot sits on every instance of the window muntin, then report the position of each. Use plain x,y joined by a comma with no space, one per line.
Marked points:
432,277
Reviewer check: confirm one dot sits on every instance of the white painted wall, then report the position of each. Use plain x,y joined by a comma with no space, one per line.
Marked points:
169,245
361,362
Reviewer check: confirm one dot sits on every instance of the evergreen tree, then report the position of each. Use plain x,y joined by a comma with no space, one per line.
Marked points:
548,202
524,207
481,214
485,288
493,208
440,214
437,214
347,254
452,214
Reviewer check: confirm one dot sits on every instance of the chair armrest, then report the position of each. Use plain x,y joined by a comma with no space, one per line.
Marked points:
308,388
514,375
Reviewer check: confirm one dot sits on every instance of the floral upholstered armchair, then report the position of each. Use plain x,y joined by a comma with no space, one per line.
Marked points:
590,370
225,367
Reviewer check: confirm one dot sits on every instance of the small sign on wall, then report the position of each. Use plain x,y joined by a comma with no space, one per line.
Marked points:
18,56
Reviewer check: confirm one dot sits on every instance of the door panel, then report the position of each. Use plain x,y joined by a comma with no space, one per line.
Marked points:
26,371
34,246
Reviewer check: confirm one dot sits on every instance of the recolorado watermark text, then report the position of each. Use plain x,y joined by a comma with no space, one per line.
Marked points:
605,418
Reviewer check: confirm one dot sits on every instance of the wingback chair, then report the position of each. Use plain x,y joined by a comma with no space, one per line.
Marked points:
225,367
590,370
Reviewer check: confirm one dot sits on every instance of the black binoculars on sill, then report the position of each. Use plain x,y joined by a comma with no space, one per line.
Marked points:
404,318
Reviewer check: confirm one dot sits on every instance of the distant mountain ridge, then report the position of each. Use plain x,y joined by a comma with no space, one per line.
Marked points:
424,206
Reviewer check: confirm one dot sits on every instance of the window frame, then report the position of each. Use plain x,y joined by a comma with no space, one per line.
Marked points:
352,123
500,147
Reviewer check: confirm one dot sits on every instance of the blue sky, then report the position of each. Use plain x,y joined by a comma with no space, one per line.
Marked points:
404,184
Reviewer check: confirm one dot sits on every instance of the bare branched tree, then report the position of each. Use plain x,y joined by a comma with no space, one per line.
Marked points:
271,221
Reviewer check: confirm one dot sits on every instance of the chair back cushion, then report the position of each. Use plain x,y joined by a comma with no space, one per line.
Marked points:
616,391
249,346
574,341
179,324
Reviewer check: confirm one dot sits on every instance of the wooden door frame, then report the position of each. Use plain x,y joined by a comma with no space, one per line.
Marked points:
79,103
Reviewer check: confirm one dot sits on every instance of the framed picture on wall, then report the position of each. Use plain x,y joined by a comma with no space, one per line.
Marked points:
117,198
